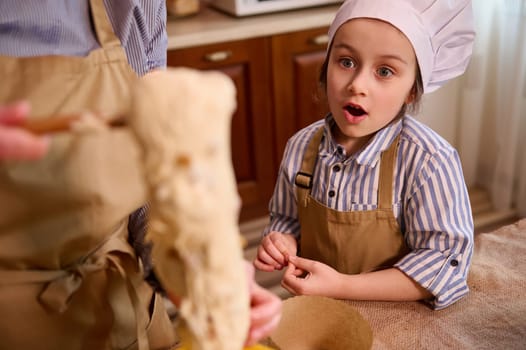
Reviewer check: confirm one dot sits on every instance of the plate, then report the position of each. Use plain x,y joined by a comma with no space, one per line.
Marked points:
320,323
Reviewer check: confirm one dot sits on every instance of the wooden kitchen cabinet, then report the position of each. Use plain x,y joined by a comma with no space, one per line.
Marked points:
246,62
298,101
276,81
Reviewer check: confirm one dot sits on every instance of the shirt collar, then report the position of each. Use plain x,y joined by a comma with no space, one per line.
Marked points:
368,155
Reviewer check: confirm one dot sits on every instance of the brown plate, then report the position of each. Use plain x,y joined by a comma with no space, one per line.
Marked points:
319,323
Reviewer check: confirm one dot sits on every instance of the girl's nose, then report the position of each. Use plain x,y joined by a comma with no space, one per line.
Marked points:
358,82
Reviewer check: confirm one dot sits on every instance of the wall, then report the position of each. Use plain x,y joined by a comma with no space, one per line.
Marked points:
440,110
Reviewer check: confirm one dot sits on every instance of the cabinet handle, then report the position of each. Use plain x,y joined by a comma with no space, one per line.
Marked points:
218,56
320,40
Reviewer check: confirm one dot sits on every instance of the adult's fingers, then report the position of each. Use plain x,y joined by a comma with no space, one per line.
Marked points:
17,144
14,114
265,314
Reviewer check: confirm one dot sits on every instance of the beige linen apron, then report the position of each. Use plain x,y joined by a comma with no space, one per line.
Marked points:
68,277
349,241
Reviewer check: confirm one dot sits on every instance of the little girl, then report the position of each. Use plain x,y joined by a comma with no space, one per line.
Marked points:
371,204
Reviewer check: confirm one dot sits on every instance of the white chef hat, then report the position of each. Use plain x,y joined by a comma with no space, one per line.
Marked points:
441,32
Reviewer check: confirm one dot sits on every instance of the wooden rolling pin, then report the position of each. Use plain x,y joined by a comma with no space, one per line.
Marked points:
62,123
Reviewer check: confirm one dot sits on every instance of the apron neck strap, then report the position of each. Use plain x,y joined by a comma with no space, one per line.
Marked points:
303,178
103,28
311,153
385,181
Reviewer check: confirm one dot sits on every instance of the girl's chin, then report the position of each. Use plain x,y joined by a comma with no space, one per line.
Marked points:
345,134
348,129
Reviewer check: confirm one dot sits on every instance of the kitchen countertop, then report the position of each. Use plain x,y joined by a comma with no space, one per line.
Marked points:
211,26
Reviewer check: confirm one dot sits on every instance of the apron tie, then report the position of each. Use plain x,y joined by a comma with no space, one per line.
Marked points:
56,294
58,291
115,255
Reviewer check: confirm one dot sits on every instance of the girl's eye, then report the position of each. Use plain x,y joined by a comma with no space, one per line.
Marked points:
384,72
347,63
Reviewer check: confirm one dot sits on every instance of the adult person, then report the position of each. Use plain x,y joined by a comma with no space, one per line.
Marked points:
69,277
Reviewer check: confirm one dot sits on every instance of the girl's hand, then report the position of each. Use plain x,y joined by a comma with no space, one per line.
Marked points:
16,143
309,277
265,310
274,251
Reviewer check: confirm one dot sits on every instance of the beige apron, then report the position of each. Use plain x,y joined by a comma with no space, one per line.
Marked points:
349,241
68,277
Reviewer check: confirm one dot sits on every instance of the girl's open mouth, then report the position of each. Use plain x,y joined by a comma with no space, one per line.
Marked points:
355,110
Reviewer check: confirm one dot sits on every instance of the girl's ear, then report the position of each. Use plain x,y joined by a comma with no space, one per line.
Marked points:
411,96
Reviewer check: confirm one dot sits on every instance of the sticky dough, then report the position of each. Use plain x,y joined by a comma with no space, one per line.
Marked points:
181,118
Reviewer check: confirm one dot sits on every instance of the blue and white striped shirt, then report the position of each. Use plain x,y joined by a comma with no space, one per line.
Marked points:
63,27
430,201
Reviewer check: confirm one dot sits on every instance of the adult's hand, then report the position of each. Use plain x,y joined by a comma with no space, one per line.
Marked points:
16,143
265,310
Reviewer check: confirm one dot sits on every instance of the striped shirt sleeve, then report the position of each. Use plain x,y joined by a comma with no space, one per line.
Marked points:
439,229
141,27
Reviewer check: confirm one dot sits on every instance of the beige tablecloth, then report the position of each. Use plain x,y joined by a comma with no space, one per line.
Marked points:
491,316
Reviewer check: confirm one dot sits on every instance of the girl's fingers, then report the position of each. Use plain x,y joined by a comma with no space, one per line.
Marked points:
258,264
284,253
275,248
294,278
302,263
285,286
265,258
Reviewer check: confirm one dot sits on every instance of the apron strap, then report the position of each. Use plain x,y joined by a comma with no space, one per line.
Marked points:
103,28
385,181
123,266
303,178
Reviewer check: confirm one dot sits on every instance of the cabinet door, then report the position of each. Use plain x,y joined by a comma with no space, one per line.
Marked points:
296,59
247,62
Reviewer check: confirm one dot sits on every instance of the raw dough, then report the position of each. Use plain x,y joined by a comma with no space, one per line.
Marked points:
181,118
